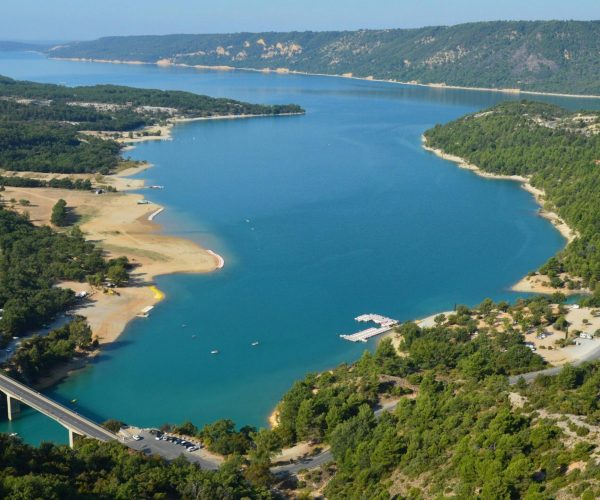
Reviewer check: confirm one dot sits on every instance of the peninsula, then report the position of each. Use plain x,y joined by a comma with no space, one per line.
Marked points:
61,152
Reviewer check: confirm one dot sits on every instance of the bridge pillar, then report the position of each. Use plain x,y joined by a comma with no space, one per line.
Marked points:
72,435
13,406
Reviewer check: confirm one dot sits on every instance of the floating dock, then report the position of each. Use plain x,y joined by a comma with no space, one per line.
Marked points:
385,325
145,312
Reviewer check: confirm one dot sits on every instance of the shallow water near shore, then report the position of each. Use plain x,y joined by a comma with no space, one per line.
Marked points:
319,218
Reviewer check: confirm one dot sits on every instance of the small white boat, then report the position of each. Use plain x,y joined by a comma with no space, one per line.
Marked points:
214,352
255,343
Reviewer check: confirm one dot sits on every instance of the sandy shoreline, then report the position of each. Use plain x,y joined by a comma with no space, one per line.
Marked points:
163,132
442,86
528,284
120,226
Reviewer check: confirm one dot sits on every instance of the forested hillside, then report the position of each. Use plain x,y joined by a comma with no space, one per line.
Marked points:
458,430
559,151
552,56
45,128
110,471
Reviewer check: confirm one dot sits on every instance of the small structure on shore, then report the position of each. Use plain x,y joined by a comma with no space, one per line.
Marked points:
154,214
385,325
145,312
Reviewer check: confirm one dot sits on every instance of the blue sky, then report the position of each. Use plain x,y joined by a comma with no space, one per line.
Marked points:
87,19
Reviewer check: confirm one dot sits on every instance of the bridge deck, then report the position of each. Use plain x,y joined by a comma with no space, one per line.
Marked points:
68,418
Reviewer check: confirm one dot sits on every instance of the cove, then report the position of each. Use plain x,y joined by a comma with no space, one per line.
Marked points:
320,218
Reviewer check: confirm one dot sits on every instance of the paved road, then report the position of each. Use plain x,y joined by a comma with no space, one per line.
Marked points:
83,426
531,376
325,456
7,353
54,410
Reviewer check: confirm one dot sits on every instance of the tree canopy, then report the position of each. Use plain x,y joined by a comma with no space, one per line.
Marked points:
48,128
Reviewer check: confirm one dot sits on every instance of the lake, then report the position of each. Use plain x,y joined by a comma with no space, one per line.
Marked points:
320,218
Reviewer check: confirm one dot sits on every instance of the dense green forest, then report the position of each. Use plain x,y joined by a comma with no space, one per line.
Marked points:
37,356
46,147
42,125
314,407
110,471
559,151
459,429
552,56
466,439
135,100
60,183
32,261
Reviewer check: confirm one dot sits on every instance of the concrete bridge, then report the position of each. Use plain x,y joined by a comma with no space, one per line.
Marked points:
17,393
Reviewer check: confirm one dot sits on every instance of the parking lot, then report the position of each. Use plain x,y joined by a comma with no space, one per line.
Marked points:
168,449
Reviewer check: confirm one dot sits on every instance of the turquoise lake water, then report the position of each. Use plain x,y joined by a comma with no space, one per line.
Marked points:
319,218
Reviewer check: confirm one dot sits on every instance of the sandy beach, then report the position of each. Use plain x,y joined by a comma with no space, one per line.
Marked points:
120,225
537,283
163,132
529,284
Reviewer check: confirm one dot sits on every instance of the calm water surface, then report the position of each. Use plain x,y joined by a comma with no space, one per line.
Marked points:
319,218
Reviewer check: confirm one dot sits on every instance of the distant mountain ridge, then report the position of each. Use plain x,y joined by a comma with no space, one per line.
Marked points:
546,56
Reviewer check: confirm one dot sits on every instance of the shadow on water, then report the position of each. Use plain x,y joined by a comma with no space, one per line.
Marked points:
108,350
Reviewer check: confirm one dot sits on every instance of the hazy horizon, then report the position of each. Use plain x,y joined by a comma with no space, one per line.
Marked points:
28,21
